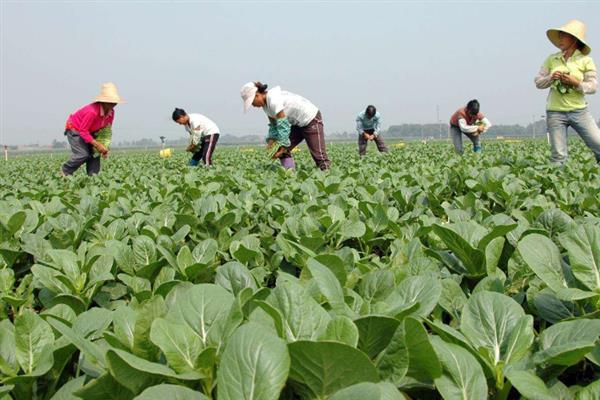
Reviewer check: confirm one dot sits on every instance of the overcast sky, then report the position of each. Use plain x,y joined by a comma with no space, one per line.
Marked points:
404,57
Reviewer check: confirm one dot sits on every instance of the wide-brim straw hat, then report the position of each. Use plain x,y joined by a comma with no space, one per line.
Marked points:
109,94
574,28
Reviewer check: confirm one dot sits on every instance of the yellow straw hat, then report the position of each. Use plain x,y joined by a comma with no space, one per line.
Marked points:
109,94
574,28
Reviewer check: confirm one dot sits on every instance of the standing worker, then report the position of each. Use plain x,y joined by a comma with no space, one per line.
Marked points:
82,130
204,135
468,121
570,74
292,119
368,125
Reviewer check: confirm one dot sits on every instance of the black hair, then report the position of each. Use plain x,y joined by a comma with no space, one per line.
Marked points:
178,113
371,111
262,87
473,107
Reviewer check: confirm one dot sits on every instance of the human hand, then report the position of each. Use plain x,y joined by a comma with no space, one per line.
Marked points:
100,147
278,153
270,143
556,75
569,80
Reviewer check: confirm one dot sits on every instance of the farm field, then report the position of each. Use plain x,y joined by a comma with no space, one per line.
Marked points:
419,274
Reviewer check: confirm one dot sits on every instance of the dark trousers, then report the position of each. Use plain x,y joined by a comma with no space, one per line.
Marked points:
81,153
362,143
207,147
315,140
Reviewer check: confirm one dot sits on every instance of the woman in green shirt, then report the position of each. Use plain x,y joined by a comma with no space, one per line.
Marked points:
570,74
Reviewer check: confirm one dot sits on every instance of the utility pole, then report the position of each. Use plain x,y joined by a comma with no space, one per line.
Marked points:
437,108
533,125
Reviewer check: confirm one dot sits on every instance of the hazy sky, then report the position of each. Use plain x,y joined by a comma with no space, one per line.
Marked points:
404,57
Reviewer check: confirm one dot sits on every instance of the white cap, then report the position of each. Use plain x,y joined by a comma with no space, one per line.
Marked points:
248,92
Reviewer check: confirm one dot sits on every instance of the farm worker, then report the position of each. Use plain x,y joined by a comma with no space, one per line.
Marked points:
468,121
292,118
570,74
204,135
82,128
368,126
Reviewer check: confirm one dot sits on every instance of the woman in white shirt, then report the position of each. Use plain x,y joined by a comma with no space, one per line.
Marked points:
292,118
204,135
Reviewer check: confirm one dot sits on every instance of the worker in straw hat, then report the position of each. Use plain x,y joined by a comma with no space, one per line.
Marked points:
82,129
292,119
570,74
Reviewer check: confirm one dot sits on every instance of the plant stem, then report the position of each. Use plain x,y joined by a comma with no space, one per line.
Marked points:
503,394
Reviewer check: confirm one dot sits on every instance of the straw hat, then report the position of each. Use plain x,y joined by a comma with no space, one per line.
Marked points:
248,92
109,94
575,28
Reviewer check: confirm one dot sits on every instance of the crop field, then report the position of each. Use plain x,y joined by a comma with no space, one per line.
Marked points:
419,274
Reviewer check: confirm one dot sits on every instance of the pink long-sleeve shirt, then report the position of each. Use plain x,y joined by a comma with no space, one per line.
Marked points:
88,119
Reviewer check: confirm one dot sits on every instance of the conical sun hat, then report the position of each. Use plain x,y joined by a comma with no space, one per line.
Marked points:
575,28
109,94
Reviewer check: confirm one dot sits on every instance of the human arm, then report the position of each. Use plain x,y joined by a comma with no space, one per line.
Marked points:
464,127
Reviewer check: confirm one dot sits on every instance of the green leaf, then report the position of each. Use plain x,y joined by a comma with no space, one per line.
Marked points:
566,343
104,388
424,291
462,377
369,391
472,258
303,317
144,250
341,329
254,365
453,298
66,261
590,392
328,284
234,277
33,341
184,259
319,369
543,257
496,323
205,251
171,392
529,384
178,342
15,222
375,333
376,285
555,221
136,374
88,348
8,357
204,308
124,325
66,392
352,229
583,246
150,310
423,364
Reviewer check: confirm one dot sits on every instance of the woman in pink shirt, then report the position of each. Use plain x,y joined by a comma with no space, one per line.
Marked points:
81,130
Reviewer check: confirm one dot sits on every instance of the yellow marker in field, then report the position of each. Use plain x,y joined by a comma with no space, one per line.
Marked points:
166,153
